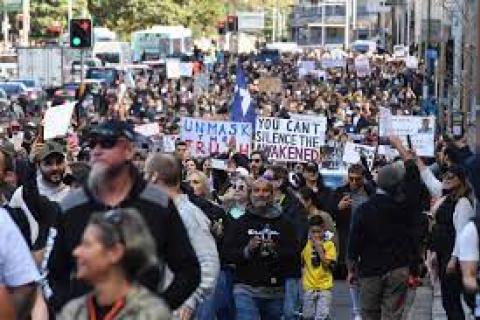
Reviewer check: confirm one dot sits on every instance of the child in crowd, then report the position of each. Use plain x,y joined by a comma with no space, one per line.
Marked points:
318,258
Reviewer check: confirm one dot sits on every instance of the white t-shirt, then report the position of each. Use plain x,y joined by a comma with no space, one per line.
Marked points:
468,243
17,267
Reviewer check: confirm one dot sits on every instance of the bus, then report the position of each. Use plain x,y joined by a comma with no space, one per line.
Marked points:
161,41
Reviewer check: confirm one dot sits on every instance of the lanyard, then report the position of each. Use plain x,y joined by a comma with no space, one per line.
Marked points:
117,307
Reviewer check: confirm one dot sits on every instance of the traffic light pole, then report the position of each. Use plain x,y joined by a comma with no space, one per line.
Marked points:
82,68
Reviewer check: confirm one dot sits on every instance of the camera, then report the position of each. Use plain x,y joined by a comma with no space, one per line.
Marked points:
265,235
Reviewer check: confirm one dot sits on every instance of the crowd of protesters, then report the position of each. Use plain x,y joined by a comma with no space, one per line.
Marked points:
102,225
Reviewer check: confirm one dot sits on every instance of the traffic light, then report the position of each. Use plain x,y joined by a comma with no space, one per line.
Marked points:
80,33
232,22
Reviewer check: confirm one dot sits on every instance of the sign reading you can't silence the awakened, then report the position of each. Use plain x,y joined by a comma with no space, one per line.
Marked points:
291,139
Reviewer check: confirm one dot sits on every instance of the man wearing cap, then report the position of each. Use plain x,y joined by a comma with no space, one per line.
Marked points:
48,183
382,244
115,182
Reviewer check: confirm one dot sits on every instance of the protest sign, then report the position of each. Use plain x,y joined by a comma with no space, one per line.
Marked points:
362,66
270,84
173,69
305,67
57,120
353,151
169,142
17,140
421,131
205,138
385,122
186,69
148,129
291,139
319,74
411,62
329,62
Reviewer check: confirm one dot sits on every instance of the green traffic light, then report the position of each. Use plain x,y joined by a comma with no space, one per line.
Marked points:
76,41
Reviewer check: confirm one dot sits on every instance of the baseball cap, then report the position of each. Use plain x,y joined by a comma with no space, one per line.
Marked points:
51,147
114,129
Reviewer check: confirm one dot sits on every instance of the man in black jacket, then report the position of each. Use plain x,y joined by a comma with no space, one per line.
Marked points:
114,182
383,244
294,212
260,244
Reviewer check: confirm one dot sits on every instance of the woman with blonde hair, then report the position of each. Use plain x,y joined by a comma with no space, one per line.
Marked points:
116,250
199,183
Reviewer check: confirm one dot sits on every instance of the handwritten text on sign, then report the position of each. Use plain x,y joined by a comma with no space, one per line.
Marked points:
290,139
205,138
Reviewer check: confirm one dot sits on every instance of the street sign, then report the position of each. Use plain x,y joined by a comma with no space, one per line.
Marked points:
12,5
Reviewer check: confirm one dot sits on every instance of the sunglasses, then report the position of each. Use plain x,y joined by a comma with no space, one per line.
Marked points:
104,142
255,160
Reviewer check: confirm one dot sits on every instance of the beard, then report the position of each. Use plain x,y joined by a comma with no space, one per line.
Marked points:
54,178
100,174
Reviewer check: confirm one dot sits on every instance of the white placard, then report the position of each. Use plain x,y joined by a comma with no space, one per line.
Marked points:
186,69
148,129
353,151
411,62
291,139
362,66
17,140
169,141
205,138
57,121
385,122
305,67
421,131
173,69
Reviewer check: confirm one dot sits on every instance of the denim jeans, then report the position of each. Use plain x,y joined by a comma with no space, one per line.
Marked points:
219,305
293,300
355,298
250,308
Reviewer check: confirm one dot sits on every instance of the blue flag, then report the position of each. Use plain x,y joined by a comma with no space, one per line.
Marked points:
242,109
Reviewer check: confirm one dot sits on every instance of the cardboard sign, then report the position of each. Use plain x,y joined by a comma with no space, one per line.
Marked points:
173,69
270,84
57,121
296,140
329,62
205,138
421,131
362,66
148,129
353,152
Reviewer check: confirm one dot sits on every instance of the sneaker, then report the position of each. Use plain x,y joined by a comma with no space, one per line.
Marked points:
357,317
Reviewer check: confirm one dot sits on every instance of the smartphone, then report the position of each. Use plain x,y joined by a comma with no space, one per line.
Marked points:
409,142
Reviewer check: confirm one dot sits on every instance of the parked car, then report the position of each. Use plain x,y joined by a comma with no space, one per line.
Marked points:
14,89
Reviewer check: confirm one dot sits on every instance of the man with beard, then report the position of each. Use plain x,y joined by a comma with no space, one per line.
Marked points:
114,182
36,193
260,244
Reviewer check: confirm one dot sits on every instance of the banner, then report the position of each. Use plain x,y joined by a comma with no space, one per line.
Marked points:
270,84
205,138
362,66
411,62
421,131
57,121
291,139
353,152
385,122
